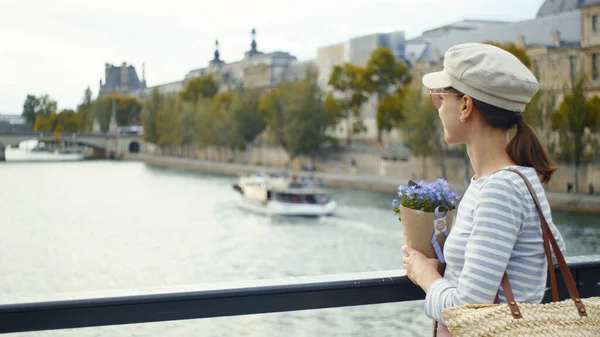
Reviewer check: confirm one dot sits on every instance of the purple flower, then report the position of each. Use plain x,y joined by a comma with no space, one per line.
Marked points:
426,196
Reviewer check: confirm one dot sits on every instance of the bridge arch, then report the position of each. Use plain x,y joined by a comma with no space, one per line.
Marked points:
134,147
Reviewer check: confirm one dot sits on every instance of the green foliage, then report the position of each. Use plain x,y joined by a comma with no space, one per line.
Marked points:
296,117
46,106
576,120
222,122
390,110
150,116
128,110
351,91
102,111
167,121
30,108
332,106
65,121
517,51
45,123
201,87
537,114
248,119
386,75
86,112
34,106
421,129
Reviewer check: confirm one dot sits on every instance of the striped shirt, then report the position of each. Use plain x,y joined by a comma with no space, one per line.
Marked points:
497,229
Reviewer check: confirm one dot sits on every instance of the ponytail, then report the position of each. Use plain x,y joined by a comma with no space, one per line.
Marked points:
525,149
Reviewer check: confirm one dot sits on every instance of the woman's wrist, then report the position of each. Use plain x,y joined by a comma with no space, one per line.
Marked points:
428,278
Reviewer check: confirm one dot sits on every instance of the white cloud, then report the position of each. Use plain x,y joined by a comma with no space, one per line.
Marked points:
59,47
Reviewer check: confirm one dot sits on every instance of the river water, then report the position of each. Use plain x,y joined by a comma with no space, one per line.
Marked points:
74,229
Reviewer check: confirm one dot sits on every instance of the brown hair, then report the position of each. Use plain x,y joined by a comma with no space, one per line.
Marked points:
524,148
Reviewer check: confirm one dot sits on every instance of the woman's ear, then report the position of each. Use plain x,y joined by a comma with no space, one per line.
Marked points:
466,107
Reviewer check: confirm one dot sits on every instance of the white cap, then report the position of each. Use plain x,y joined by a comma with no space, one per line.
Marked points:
488,74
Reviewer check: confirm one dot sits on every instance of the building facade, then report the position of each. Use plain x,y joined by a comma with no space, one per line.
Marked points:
255,70
122,80
357,51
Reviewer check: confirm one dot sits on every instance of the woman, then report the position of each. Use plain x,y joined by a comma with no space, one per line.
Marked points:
480,95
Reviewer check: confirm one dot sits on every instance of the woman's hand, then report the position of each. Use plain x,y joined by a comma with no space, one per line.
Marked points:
421,270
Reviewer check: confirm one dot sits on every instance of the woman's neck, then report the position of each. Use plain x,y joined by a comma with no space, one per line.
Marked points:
488,152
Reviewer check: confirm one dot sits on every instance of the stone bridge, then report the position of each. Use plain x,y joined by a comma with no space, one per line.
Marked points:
111,145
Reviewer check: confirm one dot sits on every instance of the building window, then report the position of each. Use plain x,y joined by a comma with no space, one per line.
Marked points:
595,61
573,65
595,23
536,70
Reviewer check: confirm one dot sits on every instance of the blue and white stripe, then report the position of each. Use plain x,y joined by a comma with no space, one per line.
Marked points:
497,229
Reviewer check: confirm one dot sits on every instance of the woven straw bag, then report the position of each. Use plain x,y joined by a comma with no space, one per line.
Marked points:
573,317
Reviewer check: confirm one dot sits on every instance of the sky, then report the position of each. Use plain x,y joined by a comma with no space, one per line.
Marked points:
59,47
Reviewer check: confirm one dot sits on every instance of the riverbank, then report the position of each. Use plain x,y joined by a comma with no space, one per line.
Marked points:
557,200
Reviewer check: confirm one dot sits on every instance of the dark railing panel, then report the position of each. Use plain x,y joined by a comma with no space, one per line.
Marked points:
231,299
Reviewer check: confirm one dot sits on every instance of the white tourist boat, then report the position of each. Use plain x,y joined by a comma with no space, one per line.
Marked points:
34,150
284,195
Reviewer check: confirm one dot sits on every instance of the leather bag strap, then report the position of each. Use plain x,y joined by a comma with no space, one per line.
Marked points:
549,240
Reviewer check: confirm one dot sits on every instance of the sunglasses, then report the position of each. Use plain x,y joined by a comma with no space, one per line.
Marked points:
436,97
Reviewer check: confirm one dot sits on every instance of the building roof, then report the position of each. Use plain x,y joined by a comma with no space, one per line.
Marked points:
113,79
461,26
536,31
585,3
553,7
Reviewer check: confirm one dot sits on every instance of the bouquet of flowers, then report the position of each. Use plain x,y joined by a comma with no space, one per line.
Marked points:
426,211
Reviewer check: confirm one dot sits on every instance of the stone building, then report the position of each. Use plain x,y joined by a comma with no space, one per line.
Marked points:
255,70
123,80
357,51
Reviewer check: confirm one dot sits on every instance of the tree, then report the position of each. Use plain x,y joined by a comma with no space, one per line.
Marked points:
86,112
30,108
102,111
575,120
249,121
223,123
421,126
167,126
390,110
128,111
67,121
46,106
45,123
199,87
296,118
517,51
385,74
350,92
537,115
34,106
149,118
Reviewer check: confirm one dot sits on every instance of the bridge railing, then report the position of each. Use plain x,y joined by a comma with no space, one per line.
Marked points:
69,135
242,298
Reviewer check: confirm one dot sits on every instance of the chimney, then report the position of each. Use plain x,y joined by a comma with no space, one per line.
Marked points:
107,67
556,38
521,41
124,76
143,75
